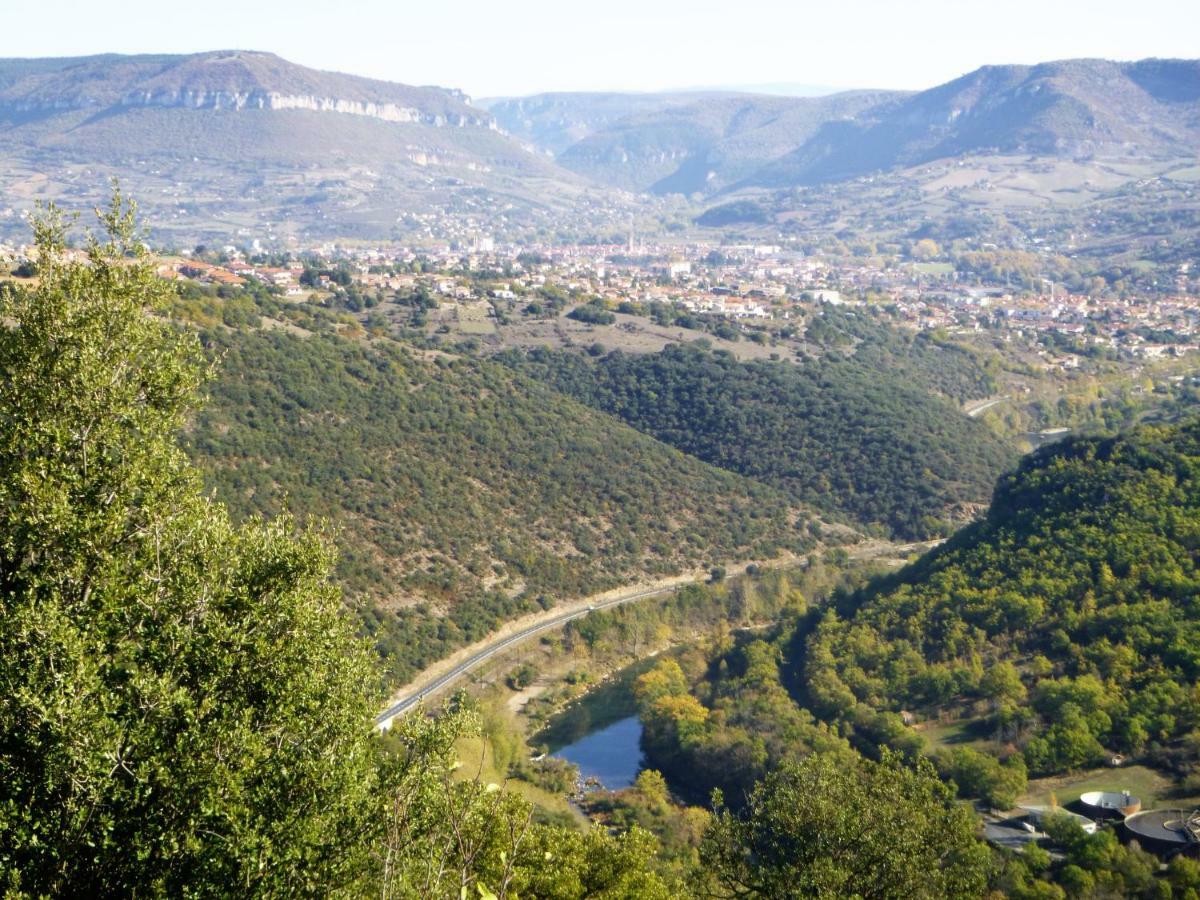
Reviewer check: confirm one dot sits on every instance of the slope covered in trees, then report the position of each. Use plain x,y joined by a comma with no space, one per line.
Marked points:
1060,630
863,436
462,493
183,702
185,712
1071,610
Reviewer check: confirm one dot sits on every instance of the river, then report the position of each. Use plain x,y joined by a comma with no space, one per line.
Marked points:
600,733
612,755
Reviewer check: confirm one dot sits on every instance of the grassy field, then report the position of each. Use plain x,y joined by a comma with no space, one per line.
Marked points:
934,268
1152,787
476,756
959,733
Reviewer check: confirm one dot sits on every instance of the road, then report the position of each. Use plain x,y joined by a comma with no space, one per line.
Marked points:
490,646
974,411
384,720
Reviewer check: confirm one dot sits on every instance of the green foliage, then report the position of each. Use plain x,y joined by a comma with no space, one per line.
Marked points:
646,805
445,836
745,726
522,676
863,436
718,716
457,484
825,829
1089,865
185,711
982,776
592,314
183,706
1079,589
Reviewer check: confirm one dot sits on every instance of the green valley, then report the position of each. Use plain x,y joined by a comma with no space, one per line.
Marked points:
462,494
865,437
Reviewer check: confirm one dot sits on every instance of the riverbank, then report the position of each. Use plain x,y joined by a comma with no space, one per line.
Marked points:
579,679
440,677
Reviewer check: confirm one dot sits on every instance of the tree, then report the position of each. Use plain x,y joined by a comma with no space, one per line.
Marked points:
666,679
926,248
185,710
565,865
653,787
824,829
1002,683
983,776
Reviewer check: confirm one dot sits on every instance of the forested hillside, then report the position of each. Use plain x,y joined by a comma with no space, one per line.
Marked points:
1071,611
461,492
186,711
1061,630
864,436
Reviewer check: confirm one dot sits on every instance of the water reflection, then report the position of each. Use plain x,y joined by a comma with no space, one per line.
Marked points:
612,755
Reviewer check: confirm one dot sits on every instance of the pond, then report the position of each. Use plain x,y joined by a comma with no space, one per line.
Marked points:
612,755
601,733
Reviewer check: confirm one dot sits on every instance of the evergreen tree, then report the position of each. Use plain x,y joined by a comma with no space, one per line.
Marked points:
184,711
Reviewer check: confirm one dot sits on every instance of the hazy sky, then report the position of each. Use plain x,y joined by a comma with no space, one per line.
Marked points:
492,47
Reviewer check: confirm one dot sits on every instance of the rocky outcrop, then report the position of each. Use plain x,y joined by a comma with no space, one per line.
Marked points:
387,112
231,100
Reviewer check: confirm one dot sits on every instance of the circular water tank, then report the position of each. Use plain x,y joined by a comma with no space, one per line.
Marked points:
1164,827
1111,804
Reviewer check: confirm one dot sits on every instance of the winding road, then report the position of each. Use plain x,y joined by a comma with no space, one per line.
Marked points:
384,720
427,683
982,406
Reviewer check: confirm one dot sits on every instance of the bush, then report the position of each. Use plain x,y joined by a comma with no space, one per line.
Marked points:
522,676
592,315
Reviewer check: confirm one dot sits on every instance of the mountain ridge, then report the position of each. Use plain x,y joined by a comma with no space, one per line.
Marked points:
246,141
1147,108
220,79
229,141
721,141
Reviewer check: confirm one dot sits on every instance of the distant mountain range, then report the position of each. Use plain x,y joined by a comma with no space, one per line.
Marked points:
712,143
238,140
218,81
1148,109
685,143
246,142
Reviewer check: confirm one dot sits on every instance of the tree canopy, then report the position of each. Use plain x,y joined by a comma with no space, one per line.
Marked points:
1069,611
823,829
865,436
183,700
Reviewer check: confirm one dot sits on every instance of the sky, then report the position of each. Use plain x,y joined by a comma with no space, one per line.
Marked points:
516,47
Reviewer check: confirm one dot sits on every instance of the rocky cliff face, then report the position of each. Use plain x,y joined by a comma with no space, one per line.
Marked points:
237,135
226,81
232,100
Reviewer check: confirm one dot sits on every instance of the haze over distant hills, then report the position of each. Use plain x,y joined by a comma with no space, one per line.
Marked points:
712,143
241,142
1148,109
245,140
684,143
220,80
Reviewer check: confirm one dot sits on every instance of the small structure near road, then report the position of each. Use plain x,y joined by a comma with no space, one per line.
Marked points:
1037,816
1011,834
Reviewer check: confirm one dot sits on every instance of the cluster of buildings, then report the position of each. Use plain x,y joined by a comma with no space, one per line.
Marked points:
750,284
